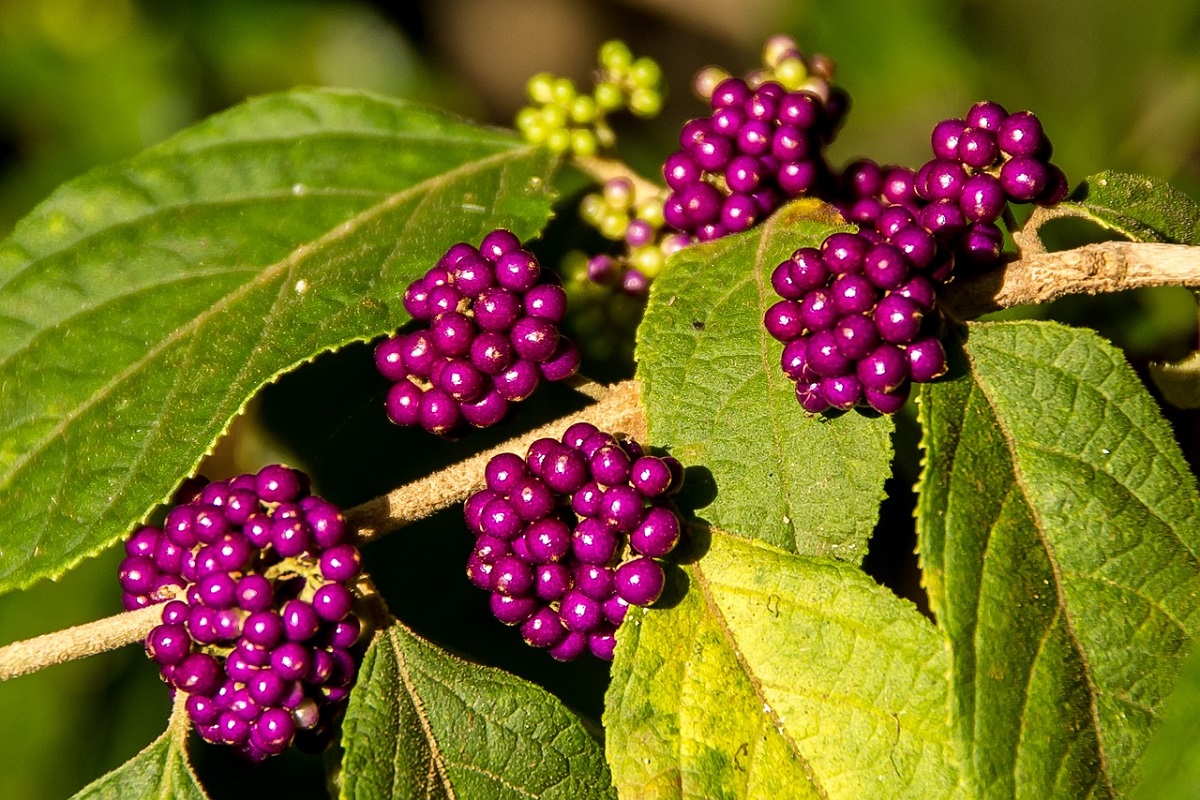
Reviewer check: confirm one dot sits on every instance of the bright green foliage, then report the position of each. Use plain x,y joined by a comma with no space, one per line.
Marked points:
1059,536
716,397
1140,208
1171,766
423,723
143,304
780,676
161,770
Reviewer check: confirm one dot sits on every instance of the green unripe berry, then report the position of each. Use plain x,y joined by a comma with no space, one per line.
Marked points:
583,142
618,193
645,73
536,133
648,259
540,87
528,117
563,92
651,211
558,140
583,109
791,73
615,56
707,79
613,225
609,96
778,47
592,209
554,116
645,102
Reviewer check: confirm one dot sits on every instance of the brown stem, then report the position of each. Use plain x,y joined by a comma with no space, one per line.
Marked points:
1092,269
30,655
618,410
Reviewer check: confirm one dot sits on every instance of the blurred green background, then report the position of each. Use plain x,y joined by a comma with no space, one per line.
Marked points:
83,82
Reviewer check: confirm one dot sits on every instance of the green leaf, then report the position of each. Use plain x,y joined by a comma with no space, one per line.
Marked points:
144,303
1171,767
423,723
1140,208
161,770
778,675
1059,528
715,396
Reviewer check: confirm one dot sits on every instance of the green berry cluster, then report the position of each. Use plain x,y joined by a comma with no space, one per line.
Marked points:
618,214
566,120
603,316
782,62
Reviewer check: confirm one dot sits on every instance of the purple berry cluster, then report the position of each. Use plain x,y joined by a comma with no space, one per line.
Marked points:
567,538
490,335
260,634
760,147
851,323
858,318
980,164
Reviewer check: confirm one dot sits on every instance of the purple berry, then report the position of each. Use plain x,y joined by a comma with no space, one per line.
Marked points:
594,542
987,115
657,533
594,580
824,357
518,381
168,645
551,581
1024,178
1021,134
565,470
926,359
512,610
572,646
898,319
842,392
497,309
855,336
853,294
543,629
640,581
547,540
332,602
817,310
503,472
277,484
650,475
977,148
579,612
945,138
884,369
532,499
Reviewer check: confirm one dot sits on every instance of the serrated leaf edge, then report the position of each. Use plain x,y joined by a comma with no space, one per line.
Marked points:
263,276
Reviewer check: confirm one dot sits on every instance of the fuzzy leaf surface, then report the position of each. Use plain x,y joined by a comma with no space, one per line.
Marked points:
716,396
776,675
423,723
161,770
144,303
1141,208
1059,531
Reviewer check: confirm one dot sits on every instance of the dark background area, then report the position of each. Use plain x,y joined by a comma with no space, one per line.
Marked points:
84,82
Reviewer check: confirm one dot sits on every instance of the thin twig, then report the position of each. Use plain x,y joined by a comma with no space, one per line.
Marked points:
1092,269
30,655
618,410
605,169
